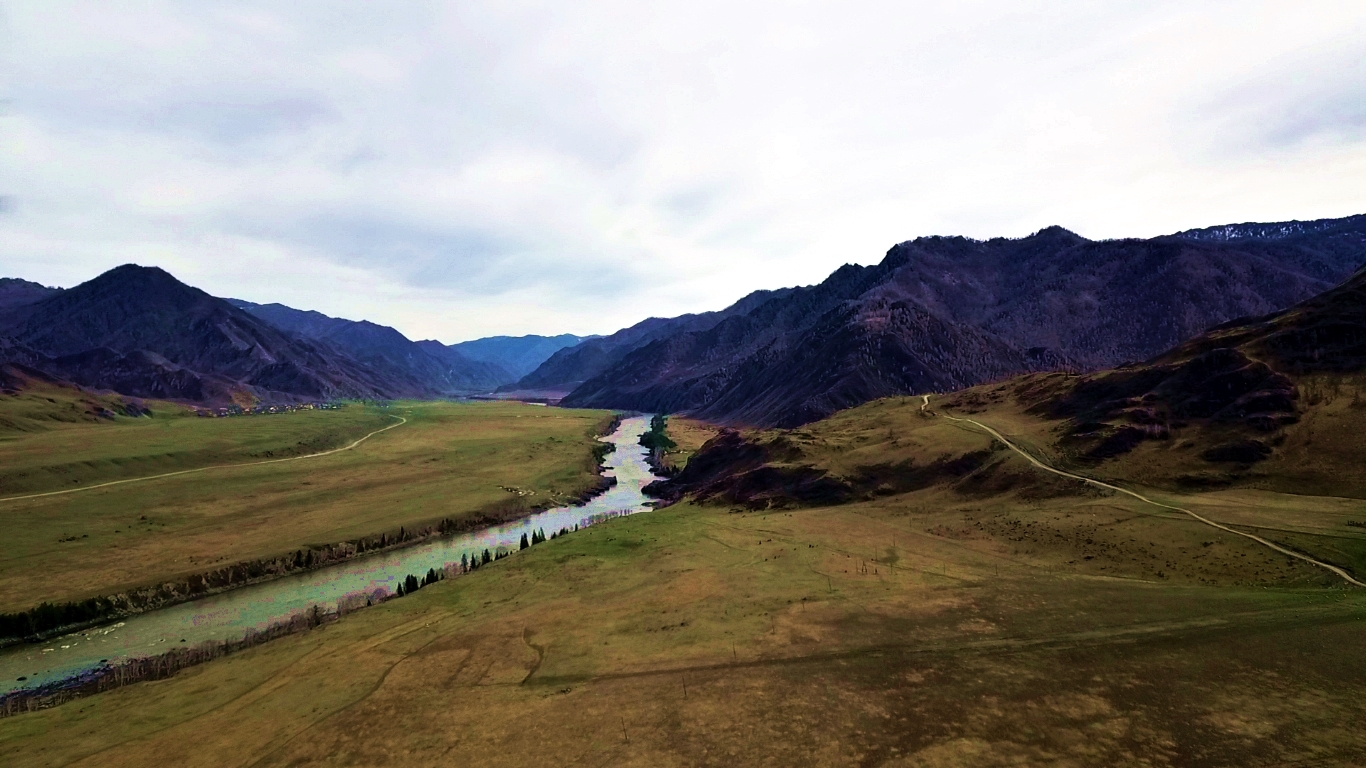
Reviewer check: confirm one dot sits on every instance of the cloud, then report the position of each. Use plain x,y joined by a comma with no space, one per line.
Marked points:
466,169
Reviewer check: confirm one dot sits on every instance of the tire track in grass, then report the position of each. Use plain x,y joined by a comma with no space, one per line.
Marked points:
1332,568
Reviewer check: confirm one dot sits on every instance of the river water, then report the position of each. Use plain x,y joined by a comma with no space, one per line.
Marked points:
231,615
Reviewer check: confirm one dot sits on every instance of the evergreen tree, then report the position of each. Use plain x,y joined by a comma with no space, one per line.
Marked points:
524,541
655,439
487,558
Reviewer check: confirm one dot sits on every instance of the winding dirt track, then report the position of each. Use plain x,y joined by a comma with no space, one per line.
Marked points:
401,422
1336,570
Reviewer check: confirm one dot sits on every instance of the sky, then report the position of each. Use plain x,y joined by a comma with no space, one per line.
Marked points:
459,170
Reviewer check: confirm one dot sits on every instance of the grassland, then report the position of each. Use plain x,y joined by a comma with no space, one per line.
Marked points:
991,618
447,460
696,636
689,435
1305,496
1322,454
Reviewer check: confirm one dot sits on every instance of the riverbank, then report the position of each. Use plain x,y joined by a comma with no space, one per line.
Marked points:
165,665
132,548
989,617
47,620
50,620
212,623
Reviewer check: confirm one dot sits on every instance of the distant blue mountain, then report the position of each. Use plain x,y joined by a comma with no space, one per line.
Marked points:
519,355
385,350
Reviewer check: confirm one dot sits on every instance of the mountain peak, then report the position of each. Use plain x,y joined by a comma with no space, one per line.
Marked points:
136,273
143,285
1057,233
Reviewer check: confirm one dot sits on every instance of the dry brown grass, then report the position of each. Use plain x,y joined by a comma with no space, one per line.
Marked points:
988,620
689,435
794,649
1321,455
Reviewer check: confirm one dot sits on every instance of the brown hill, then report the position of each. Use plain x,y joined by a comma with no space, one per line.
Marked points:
1276,401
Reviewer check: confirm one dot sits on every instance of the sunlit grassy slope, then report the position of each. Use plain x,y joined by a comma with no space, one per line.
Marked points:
688,435
1322,453
56,438
989,618
29,404
448,460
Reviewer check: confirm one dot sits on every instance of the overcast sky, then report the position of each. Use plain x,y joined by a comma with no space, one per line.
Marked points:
466,169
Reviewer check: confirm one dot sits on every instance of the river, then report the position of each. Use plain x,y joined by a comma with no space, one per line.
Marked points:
231,615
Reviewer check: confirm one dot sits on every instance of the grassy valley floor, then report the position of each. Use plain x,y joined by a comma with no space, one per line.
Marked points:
693,636
447,460
982,619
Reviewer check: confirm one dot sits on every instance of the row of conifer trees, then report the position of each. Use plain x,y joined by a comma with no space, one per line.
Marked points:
411,583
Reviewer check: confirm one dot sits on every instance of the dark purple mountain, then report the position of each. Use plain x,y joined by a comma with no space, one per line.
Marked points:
139,331
17,293
415,365
941,313
571,366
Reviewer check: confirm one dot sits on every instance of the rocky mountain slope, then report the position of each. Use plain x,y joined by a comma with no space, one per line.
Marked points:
571,366
1286,387
941,313
1276,402
139,331
17,293
518,355
426,366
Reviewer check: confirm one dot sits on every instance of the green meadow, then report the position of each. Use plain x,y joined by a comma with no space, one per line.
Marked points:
443,459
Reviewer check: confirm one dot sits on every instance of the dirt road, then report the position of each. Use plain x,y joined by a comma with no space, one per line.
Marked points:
401,421
1333,568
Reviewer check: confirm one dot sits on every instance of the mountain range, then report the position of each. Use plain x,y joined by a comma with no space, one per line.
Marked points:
1234,390
413,367
936,314
943,313
139,331
1273,402
572,366
518,355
